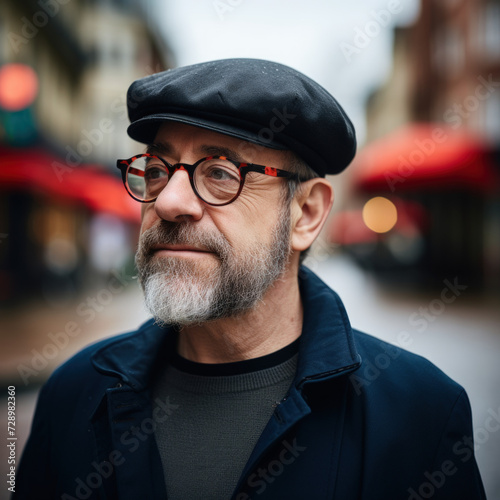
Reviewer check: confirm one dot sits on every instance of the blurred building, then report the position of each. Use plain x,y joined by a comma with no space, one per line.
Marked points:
433,141
61,203
86,54
456,57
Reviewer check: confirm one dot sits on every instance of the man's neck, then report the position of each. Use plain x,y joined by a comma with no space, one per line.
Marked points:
275,322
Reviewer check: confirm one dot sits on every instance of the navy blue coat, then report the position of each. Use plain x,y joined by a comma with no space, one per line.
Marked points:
362,420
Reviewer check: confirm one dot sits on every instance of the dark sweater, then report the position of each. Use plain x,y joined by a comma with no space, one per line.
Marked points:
218,413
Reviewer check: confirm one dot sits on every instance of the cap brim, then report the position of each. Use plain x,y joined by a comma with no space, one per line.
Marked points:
145,129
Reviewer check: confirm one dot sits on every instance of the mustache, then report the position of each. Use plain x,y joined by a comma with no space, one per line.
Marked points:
182,233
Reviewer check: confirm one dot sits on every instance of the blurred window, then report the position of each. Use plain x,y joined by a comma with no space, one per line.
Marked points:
116,51
492,30
3,35
492,117
449,51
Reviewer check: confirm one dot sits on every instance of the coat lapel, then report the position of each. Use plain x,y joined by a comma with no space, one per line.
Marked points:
123,426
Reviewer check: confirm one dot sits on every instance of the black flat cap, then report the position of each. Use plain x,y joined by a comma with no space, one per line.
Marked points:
259,101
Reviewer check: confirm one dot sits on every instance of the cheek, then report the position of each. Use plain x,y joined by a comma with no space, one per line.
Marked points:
148,216
259,202
251,223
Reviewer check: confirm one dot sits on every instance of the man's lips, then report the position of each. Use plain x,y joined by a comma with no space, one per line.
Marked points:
179,250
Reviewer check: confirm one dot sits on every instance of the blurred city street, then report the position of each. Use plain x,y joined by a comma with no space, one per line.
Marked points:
412,245
463,340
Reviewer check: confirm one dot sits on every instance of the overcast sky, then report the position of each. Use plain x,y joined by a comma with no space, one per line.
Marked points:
345,46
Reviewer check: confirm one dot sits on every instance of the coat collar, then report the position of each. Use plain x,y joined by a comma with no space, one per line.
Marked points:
326,347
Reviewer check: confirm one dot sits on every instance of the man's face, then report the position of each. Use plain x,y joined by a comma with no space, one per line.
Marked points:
197,262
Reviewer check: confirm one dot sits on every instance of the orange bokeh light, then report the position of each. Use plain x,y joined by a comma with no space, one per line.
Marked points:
18,86
380,214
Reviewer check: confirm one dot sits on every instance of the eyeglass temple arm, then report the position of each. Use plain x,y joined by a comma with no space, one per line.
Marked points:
273,172
136,171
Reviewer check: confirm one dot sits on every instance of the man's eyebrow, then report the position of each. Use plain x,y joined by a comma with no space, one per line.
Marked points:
164,148
159,148
210,150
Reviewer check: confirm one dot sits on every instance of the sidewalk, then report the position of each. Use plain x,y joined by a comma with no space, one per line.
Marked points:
37,339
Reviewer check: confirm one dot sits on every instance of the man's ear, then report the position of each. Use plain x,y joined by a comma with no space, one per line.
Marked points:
310,208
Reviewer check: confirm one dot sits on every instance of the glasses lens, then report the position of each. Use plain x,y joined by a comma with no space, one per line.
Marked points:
146,177
217,180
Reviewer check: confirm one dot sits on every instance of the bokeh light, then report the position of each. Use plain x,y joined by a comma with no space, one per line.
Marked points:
380,214
18,86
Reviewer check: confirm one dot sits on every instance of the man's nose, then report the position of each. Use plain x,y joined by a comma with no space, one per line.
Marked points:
177,201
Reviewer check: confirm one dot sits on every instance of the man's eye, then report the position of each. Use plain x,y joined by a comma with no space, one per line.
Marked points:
155,172
222,174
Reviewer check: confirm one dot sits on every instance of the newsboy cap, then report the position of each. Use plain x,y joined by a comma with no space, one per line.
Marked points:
259,101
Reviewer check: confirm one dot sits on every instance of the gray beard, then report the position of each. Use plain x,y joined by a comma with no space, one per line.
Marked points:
182,292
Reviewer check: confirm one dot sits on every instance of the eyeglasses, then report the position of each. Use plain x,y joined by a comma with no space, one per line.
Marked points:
216,180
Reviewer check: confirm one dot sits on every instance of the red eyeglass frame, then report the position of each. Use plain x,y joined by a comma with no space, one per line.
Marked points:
243,169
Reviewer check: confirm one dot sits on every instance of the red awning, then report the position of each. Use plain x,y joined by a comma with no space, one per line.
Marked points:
425,156
39,171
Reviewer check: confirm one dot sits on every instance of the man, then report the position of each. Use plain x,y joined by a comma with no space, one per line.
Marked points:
249,381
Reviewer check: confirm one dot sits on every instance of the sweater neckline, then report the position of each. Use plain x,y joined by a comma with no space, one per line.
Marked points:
238,367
